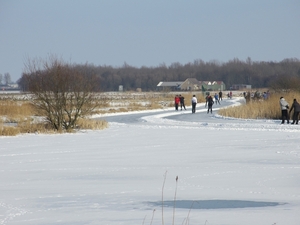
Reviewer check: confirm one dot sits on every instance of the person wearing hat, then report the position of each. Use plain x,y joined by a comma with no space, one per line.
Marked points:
296,107
284,110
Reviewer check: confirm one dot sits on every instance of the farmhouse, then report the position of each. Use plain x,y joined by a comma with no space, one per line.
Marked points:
212,85
192,84
166,85
240,86
9,87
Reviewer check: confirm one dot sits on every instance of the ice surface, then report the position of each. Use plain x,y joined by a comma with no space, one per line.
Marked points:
110,176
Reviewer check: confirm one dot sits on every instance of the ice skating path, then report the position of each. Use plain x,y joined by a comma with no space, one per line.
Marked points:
201,119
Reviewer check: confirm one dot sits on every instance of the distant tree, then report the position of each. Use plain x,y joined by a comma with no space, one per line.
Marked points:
61,93
1,78
7,78
285,83
257,74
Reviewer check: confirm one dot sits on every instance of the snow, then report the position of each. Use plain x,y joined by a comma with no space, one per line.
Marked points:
115,176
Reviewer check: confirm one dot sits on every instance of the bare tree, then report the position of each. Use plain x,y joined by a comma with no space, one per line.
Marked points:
61,93
7,78
285,82
256,73
1,78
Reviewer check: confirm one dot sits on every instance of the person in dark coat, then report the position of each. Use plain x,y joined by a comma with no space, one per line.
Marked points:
220,95
209,102
182,102
296,107
284,110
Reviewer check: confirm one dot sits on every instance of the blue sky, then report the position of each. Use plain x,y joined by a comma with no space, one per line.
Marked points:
146,32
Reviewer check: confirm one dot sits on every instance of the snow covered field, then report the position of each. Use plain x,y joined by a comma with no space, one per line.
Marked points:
225,167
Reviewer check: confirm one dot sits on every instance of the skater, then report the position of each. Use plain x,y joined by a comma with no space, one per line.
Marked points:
220,95
206,97
210,103
217,99
182,102
284,106
194,103
296,107
177,100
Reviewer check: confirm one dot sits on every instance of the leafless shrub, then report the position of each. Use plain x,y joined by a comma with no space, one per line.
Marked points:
62,94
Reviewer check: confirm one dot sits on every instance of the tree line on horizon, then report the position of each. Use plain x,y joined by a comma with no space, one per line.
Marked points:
5,79
259,74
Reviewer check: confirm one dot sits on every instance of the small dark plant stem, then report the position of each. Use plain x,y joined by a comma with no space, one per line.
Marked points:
162,198
175,200
188,216
144,220
152,216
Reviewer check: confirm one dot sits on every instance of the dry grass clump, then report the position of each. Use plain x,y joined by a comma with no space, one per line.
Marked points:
9,130
15,110
27,126
13,116
112,110
30,126
261,109
91,124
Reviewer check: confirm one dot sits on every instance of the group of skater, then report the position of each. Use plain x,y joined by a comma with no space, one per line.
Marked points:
209,101
286,110
215,99
179,99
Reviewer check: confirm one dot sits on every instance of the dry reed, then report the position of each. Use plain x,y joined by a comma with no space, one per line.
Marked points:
91,124
15,110
260,109
9,130
30,126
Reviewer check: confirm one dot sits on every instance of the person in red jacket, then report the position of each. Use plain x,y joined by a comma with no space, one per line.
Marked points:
177,101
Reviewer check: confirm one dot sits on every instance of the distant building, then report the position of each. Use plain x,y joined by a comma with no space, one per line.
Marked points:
167,85
240,86
212,85
10,87
192,84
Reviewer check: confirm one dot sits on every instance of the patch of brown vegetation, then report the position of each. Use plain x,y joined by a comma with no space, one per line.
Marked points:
260,109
